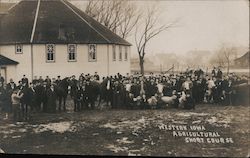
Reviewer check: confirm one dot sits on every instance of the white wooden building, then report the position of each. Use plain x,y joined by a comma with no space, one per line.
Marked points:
51,38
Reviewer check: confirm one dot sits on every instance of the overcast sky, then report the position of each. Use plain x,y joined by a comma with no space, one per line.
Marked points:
204,25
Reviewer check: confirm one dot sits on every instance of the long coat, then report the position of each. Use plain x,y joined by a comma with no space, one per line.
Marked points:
32,97
117,96
51,100
5,98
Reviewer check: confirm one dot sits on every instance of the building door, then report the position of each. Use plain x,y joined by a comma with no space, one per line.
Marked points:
3,72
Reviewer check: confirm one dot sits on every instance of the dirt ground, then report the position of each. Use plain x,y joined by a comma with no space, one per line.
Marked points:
130,132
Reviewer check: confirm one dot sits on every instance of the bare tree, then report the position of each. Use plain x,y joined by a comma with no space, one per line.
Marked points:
119,16
223,56
149,28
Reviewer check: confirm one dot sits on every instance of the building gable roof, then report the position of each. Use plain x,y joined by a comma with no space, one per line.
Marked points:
6,61
57,21
245,56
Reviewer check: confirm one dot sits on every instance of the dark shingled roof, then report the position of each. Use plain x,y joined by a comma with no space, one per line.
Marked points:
58,21
6,61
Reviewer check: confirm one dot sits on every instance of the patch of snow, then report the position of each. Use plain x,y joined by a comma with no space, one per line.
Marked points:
59,127
7,132
219,123
109,125
116,149
188,114
124,140
179,122
22,130
12,125
141,123
20,123
16,137
195,122
131,154
39,146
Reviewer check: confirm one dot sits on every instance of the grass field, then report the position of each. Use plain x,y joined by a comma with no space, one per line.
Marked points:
130,132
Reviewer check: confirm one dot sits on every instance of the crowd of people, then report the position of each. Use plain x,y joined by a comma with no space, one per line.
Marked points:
180,90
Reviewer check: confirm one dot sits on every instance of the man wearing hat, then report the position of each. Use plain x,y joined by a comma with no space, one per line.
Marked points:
51,99
25,81
11,85
58,80
90,96
73,85
96,76
48,80
117,94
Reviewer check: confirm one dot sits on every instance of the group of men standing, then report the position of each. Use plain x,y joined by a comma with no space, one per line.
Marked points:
131,91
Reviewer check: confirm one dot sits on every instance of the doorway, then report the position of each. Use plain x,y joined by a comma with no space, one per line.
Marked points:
3,73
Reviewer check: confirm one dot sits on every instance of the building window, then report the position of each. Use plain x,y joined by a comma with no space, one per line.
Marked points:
114,53
126,53
72,52
19,49
92,52
50,52
120,53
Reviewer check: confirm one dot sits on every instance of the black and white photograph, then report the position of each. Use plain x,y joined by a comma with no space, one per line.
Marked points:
158,78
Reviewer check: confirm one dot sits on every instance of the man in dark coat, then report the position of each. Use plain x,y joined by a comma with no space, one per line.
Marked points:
189,103
219,74
1,79
195,89
84,96
47,80
214,72
216,90
11,85
78,97
117,95
90,94
25,81
35,80
58,80
5,100
25,102
96,76
167,89
39,90
40,79
228,91
32,98
151,93
73,85
51,99
151,89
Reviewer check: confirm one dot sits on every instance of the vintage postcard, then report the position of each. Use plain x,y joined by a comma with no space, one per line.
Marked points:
125,78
